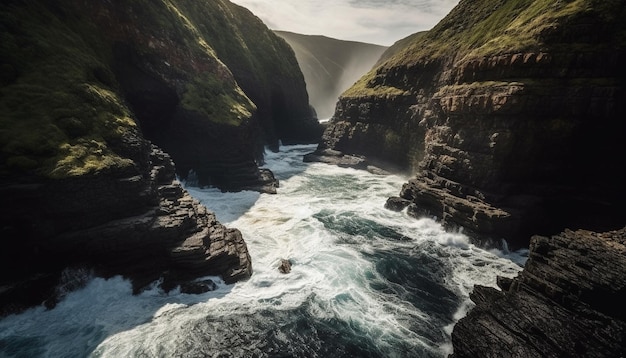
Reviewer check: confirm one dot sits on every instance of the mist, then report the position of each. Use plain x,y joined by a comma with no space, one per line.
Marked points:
330,66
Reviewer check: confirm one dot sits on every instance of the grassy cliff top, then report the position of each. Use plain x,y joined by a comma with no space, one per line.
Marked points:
483,28
62,112
254,54
59,115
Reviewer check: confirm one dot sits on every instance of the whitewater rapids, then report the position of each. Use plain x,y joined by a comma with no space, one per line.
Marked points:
365,282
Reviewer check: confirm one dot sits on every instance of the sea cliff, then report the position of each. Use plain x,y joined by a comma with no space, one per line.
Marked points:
508,114
567,302
98,100
509,117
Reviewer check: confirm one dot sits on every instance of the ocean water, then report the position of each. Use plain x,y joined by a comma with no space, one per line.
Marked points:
365,282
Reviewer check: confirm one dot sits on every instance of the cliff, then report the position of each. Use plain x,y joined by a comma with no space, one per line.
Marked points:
330,66
508,113
264,66
167,64
567,302
86,88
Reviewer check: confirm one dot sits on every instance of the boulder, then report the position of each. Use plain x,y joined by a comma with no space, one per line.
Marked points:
285,266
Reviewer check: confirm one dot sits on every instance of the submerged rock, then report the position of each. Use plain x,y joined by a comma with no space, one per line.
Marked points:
567,302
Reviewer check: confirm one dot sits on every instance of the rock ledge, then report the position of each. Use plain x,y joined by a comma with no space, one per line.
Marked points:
567,302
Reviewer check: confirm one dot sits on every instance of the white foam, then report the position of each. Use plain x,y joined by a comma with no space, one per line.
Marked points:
104,319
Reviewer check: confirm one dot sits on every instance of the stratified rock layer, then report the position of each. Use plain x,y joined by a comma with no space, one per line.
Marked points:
567,302
142,226
509,112
79,75
83,87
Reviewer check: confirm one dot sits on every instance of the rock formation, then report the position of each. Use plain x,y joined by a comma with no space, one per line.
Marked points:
265,67
141,224
509,112
510,116
85,88
284,267
567,302
330,66
166,61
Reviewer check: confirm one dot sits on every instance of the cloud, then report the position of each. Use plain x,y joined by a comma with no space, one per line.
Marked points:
373,21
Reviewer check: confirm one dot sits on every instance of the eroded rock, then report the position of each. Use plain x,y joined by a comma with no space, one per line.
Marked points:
567,302
285,266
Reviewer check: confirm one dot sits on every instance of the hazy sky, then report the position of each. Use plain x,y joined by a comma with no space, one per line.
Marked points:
374,21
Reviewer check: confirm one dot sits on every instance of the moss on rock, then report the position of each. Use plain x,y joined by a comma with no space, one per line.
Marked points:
54,108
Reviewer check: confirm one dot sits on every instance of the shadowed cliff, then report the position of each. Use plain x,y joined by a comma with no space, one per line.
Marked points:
509,112
86,88
330,66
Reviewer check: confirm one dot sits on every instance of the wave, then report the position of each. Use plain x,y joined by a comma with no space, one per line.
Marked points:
365,282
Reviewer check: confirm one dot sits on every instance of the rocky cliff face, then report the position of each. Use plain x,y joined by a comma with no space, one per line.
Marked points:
264,66
85,88
167,63
567,302
330,66
509,112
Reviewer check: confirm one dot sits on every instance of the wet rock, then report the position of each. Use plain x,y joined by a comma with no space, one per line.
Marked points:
334,157
494,140
169,232
567,302
198,287
396,203
285,266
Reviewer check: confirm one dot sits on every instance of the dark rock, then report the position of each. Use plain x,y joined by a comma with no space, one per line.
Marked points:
492,135
334,157
198,287
504,283
169,232
396,203
79,180
285,266
212,90
567,302
376,170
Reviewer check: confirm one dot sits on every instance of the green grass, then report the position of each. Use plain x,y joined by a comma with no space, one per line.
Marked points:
54,111
484,28
62,112
216,100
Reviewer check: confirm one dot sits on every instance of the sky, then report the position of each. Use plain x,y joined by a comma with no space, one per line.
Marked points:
373,21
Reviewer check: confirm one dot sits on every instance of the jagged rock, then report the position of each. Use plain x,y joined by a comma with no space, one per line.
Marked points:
335,158
80,184
170,232
396,203
567,302
285,266
198,287
494,133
